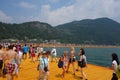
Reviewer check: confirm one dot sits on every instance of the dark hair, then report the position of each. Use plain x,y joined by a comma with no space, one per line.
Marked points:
83,52
115,57
0,46
10,46
48,52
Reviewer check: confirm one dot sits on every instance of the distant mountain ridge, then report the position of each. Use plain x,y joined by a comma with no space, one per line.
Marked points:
93,31
88,31
29,30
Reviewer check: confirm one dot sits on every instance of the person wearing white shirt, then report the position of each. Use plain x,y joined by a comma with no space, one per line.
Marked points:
115,63
54,54
84,64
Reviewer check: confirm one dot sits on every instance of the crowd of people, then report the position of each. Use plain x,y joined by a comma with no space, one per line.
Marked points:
11,58
82,62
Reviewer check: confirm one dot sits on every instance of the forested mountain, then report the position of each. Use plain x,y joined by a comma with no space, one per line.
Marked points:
88,31
96,31
30,30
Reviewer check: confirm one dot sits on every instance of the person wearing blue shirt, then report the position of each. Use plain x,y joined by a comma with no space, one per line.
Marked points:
25,50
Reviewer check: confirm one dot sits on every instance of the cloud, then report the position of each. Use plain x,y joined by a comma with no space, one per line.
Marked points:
53,1
62,15
55,17
4,17
26,5
45,12
77,10
81,9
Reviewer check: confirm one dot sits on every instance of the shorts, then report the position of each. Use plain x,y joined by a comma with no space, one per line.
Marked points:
71,60
25,53
1,64
33,55
10,68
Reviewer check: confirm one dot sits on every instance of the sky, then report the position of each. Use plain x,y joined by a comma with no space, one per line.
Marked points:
56,12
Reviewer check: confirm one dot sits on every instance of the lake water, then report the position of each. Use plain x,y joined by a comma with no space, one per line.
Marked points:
97,56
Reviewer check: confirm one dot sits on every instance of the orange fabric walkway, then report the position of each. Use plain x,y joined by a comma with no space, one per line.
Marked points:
29,71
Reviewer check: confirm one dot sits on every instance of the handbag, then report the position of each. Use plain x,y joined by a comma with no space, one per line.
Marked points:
60,64
82,63
46,69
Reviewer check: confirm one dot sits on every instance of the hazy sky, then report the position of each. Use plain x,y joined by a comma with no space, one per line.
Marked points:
57,12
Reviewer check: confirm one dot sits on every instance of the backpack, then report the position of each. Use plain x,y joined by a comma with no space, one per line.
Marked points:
118,71
60,63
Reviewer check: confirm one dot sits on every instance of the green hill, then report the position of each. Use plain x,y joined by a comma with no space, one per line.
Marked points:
30,30
96,31
88,31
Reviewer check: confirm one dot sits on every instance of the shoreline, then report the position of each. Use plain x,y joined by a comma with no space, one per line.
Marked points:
69,45
78,46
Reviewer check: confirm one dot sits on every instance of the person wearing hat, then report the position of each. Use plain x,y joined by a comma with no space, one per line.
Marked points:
44,67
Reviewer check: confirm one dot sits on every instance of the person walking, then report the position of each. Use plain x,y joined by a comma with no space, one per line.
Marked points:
54,54
44,67
9,57
115,63
65,60
25,50
82,63
30,51
1,59
72,60
33,54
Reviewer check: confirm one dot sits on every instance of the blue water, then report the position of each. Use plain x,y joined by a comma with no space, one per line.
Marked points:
97,56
